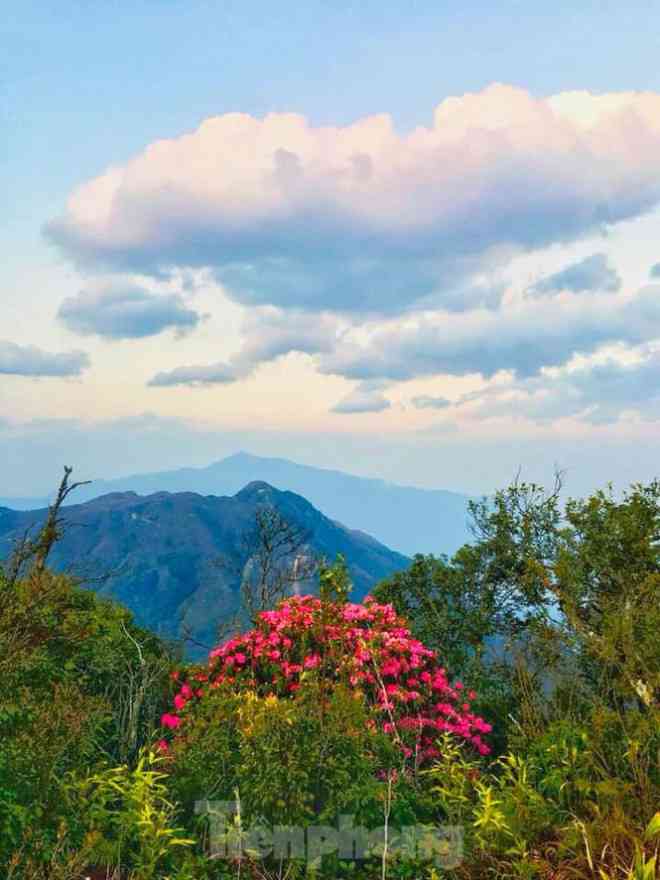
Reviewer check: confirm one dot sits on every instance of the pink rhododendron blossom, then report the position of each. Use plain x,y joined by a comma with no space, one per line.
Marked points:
365,646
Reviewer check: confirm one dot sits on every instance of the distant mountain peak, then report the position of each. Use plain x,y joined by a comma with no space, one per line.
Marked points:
237,457
258,491
407,518
257,487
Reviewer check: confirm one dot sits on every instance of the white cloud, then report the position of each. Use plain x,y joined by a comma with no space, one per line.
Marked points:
522,337
367,397
593,273
362,218
28,360
384,257
126,311
201,375
597,391
425,401
269,333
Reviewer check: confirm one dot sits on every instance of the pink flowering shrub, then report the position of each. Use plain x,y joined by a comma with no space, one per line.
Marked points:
366,647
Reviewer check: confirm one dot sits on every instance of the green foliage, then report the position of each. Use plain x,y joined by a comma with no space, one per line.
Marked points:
555,806
293,761
606,579
76,691
558,608
128,818
334,580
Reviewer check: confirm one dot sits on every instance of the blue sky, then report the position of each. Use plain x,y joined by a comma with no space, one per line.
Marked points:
460,338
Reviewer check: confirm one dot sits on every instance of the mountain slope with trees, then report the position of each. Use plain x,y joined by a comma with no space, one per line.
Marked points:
178,561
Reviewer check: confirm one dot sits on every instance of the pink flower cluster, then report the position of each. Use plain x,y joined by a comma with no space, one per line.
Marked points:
364,645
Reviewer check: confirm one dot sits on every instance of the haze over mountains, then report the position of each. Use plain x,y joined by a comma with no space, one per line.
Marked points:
406,518
176,560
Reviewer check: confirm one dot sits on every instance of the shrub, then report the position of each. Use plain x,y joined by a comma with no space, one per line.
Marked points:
324,709
366,647
128,818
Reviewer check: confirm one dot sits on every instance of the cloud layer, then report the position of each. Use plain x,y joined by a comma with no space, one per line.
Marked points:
126,312
597,392
200,375
269,333
362,218
522,338
366,398
426,402
18,360
594,273
385,256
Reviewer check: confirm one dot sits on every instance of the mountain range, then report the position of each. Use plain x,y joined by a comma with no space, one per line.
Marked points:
409,519
177,559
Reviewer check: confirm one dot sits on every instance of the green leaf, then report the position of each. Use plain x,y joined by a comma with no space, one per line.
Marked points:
653,828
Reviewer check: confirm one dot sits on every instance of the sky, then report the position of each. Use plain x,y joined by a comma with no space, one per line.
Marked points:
417,241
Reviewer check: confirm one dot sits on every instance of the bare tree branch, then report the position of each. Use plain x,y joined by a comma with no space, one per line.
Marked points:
276,560
34,552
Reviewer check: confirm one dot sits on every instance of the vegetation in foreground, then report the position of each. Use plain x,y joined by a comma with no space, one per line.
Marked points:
551,617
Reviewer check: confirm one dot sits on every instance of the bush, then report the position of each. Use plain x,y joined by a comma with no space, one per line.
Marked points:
127,818
325,709
81,686
367,648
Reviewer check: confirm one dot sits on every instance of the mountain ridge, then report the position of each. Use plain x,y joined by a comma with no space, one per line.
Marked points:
406,518
176,559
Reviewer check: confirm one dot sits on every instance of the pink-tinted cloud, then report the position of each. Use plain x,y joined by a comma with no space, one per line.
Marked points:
363,218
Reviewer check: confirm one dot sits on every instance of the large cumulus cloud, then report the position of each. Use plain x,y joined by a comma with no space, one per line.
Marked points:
28,360
362,218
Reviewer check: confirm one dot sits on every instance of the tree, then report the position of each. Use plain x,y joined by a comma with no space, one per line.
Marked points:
577,585
276,561
605,580
33,552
